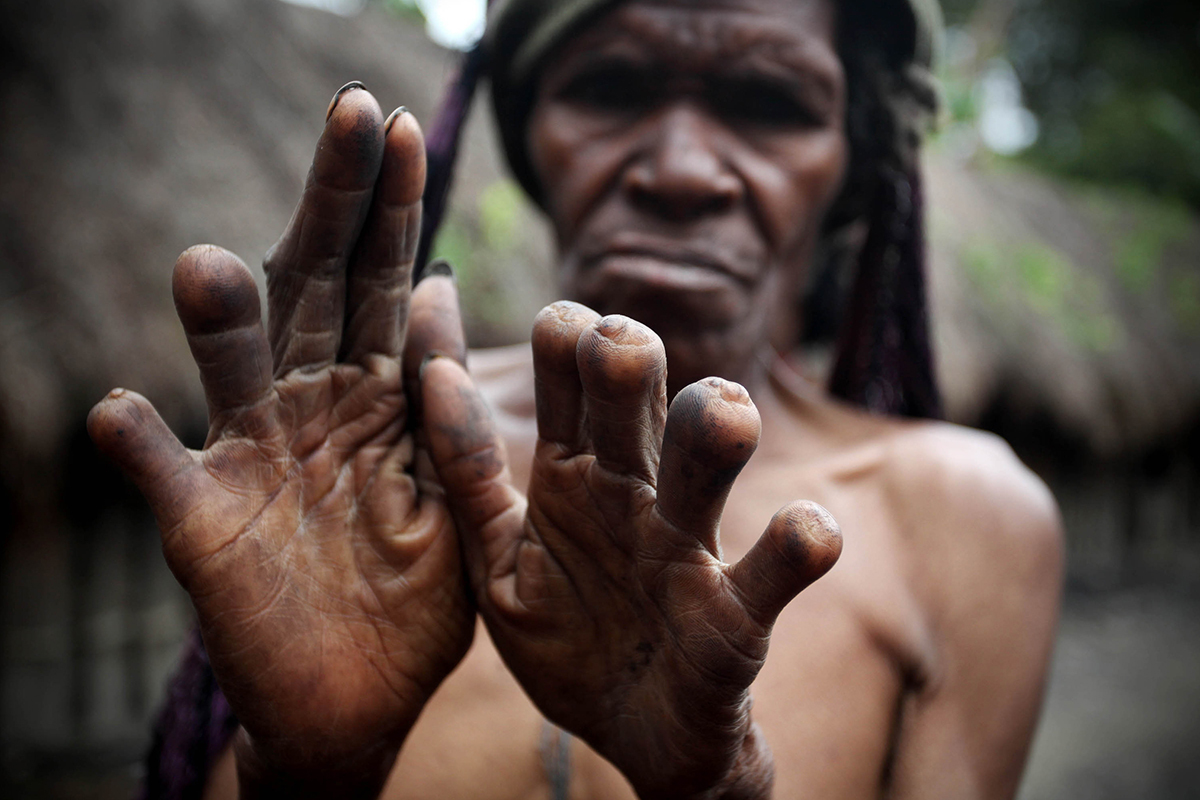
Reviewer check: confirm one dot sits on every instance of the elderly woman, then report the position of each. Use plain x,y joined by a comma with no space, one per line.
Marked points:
362,499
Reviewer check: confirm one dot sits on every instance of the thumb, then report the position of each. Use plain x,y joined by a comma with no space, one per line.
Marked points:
472,466
801,543
128,430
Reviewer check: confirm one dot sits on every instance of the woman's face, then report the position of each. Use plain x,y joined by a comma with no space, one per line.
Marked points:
688,152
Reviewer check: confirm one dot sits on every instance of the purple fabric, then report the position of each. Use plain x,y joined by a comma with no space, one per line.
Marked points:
194,727
441,150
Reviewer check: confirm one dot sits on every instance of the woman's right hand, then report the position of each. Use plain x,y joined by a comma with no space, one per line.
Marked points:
317,550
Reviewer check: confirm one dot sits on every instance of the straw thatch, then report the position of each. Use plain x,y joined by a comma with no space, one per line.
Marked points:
131,129
1066,311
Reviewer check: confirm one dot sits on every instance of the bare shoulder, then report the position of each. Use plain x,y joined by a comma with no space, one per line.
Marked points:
949,471
982,553
973,511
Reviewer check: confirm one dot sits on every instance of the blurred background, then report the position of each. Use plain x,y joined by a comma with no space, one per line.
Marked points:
1065,227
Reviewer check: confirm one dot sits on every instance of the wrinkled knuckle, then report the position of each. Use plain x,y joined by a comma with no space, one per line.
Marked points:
624,331
619,355
474,470
556,331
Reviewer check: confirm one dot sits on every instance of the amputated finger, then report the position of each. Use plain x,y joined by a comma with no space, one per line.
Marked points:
712,430
129,431
557,388
470,460
801,543
380,274
623,372
306,269
217,302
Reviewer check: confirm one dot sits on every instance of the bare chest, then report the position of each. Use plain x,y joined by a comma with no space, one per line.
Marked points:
827,698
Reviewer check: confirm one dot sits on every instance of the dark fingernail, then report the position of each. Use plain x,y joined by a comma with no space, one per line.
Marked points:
387,126
349,87
425,363
439,266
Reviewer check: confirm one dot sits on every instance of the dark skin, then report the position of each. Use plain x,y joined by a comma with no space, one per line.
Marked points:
323,564
613,565
312,469
688,160
316,531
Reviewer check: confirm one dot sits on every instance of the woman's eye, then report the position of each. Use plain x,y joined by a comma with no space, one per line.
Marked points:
762,102
609,88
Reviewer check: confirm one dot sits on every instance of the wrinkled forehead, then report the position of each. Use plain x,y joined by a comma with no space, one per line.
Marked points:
706,20
705,35
525,35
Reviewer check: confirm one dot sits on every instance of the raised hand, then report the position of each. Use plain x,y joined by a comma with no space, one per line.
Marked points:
322,562
606,594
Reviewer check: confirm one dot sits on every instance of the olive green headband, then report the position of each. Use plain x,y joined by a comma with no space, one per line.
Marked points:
521,33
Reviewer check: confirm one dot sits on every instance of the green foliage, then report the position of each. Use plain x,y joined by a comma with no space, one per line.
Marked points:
1044,276
500,207
1185,300
1140,252
454,244
407,9
480,245
1035,276
1113,83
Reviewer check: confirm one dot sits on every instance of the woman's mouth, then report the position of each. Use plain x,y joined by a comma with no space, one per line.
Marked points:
667,264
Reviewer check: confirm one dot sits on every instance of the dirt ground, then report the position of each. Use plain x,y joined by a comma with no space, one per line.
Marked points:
1122,716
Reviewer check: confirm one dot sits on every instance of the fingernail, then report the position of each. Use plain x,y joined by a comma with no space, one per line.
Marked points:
439,266
349,87
387,126
425,363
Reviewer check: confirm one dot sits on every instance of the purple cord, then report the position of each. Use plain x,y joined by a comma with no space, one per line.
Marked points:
193,729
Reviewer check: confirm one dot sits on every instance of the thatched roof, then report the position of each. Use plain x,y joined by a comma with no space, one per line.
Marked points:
131,129
1065,309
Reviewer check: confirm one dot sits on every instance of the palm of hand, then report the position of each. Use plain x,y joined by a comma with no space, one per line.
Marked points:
605,594
331,598
322,562
647,618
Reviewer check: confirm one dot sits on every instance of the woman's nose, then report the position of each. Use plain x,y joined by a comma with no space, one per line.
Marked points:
680,173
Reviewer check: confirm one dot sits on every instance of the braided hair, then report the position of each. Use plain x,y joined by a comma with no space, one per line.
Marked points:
884,361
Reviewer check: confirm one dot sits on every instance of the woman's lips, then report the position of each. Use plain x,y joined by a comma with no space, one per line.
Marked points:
667,263
656,271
